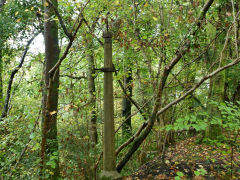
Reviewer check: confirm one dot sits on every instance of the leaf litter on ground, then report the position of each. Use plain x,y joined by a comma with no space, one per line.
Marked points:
188,160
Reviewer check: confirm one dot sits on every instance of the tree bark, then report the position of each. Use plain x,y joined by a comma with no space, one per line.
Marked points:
126,104
49,146
218,82
92,93
1,83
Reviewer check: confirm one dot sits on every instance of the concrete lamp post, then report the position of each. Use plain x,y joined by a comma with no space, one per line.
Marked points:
109,157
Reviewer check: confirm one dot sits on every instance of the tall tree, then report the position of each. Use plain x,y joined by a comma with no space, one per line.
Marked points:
1,84
217,83
126,103
49,146
2,2
92,93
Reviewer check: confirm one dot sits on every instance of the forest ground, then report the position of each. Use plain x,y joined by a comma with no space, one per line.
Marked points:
188,160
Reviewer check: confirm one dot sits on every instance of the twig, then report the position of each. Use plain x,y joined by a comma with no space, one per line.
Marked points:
79,15
132,115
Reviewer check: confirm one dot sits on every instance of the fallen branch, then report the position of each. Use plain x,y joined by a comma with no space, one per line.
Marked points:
131,139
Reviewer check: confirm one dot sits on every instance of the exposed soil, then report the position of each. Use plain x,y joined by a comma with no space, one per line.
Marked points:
188,160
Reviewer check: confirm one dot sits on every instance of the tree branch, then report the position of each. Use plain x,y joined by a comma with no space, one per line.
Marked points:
74,77
236,61
68,34
8,94
179,54
56,66
130,99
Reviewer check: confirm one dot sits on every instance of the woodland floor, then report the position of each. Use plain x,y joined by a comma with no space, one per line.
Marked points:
191,159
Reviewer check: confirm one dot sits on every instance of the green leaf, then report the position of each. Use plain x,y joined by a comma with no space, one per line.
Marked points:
197,173
52,164
179,173
33,135
177,178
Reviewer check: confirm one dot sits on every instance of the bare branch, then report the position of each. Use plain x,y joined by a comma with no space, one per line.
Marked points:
131,139
8,94
236,61
79,15
74,77
91,29
131,116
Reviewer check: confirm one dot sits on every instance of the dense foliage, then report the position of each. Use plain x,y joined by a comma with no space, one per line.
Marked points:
181,61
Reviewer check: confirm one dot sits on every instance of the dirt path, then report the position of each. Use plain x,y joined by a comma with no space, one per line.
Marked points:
188,160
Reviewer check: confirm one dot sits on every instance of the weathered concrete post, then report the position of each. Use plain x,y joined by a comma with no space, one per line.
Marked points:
109,156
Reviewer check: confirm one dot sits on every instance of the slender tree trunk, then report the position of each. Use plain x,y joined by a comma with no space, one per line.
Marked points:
92,93
49,146
218,96
126,104
1,83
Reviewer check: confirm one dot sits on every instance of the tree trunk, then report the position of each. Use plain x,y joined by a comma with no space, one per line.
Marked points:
92,93
1,83
217,95
126,105
218,82
49,146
